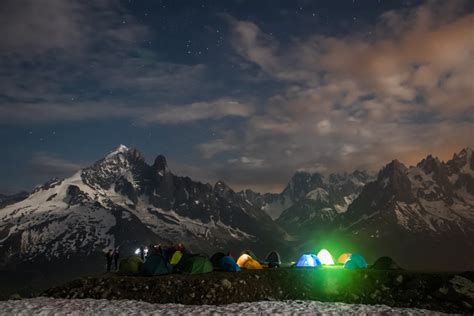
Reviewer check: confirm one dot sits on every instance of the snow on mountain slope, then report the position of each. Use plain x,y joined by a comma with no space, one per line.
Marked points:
433,197
339,190
316,201
123,201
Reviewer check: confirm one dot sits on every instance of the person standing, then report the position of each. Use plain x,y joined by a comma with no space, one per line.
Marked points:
116,258
142,253
109,257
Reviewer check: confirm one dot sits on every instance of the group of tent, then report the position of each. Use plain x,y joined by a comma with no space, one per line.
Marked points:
179,262
157,264
347,260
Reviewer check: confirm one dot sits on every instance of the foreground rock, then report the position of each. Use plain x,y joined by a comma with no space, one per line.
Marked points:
446,292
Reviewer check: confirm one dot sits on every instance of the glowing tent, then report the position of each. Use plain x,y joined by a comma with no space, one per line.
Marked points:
247,262
343,258
250,253
308,260
355,261
325,257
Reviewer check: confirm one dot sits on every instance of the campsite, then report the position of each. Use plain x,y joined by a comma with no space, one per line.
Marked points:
197,279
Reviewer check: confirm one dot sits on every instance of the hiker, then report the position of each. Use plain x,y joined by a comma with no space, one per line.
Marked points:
181,248
168,252
109,258
116,258
142,253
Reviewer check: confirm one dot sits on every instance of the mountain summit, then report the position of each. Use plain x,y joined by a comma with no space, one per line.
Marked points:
121,201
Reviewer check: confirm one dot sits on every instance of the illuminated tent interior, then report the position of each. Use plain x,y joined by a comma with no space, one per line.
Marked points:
308,260
325,257
343,258
245,261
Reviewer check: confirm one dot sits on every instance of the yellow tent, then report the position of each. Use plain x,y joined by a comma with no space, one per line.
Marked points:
247,262
343,258
176,257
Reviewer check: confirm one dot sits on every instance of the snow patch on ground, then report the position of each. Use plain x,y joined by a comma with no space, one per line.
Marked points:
50,306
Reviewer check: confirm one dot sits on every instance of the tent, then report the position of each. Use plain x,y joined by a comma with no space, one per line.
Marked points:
355,261
216,260
343,258
245,261
325,257
273,259
156,265
250,253
176,257
385,263
130,265
228,264
194,264
308,260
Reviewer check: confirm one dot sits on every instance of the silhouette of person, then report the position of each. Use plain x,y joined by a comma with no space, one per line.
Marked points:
116,256
109,257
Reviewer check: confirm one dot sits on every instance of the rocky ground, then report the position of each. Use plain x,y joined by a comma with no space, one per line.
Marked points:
445,292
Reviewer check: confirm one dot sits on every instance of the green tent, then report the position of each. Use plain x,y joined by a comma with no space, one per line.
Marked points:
156,265
130,265
196,264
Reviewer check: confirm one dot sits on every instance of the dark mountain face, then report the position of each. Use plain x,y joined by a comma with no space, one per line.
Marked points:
122,201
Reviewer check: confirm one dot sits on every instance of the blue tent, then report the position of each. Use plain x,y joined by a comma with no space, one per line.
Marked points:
355,261
228,264
308,260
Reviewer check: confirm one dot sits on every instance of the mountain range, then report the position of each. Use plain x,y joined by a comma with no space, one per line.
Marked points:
423,215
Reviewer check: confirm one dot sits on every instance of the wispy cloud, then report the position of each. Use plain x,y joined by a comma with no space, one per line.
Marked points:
47,165
165,114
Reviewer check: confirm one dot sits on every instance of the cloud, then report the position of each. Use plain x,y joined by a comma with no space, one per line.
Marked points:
46,165
80,111
217,146
400,89
199,111
30,28
76,61
247,161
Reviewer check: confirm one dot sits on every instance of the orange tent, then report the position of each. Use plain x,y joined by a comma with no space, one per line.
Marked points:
247,262
343,258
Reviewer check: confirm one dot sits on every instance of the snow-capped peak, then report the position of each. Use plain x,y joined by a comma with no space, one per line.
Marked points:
120,149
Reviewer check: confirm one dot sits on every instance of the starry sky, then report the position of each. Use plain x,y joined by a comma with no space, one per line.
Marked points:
242,91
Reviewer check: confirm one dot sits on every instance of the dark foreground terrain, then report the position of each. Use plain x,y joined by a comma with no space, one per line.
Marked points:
446,292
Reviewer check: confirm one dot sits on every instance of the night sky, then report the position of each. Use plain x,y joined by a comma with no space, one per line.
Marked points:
243,91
